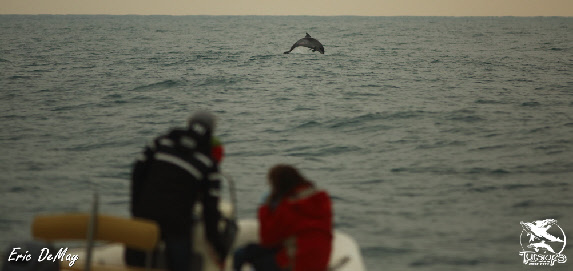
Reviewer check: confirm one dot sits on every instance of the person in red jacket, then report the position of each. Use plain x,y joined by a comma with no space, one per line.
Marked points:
295,226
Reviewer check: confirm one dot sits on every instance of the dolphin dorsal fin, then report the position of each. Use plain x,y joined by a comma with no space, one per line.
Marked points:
307,35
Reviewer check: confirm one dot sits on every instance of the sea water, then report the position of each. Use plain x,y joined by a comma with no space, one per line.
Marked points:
435,136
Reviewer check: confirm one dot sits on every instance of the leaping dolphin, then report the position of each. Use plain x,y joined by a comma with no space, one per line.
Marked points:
538,229
309,42
541,245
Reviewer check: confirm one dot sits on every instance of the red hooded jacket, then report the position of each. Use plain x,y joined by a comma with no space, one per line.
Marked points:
301,225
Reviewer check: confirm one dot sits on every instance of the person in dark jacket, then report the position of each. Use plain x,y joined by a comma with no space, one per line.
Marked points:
176,171
295,228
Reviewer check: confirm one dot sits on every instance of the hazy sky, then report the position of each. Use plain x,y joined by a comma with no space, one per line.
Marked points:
294,7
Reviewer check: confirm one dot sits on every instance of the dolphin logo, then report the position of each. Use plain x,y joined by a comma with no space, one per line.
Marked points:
538,230
309,42
541,245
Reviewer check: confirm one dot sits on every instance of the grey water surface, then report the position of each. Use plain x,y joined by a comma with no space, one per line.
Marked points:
435,136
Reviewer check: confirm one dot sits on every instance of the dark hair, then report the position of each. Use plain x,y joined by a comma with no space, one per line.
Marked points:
283,179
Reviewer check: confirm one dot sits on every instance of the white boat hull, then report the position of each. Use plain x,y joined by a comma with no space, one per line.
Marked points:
346,253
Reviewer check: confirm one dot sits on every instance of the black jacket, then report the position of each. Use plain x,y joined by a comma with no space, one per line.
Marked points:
176,172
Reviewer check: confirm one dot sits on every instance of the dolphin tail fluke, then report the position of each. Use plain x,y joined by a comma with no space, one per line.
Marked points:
291,48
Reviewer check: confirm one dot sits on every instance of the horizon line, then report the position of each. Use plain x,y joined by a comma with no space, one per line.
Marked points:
275,15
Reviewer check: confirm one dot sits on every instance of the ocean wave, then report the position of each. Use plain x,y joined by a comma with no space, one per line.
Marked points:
165,84
442,144
72,107
374,182
542,204
309,124
448,260
468,116
382,251
262,57
489,101
320,151
531,104
218,81
365,119
450,170
18,77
